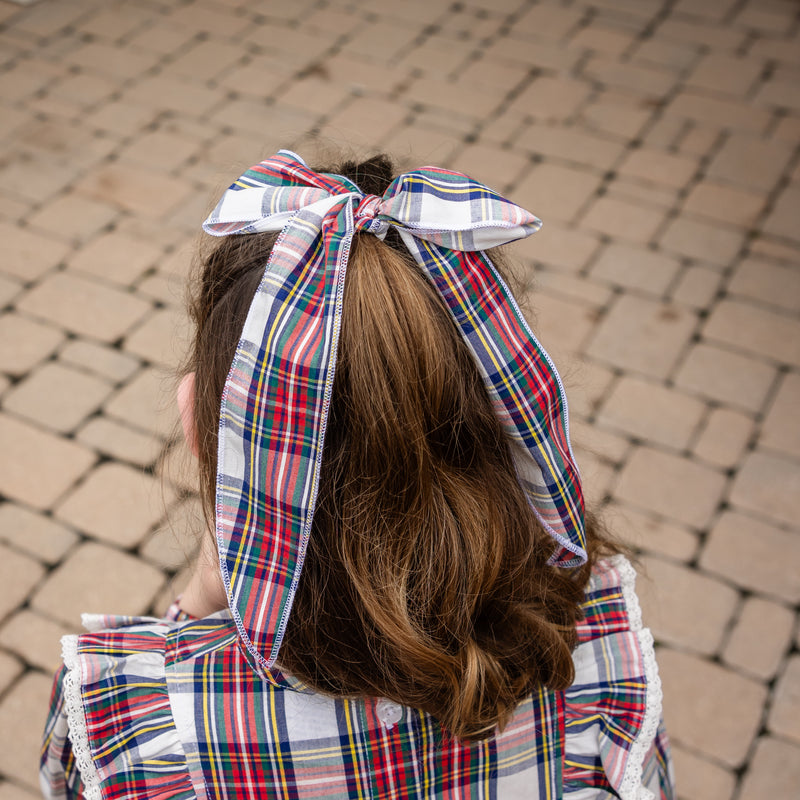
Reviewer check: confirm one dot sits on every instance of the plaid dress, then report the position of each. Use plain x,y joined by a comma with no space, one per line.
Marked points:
172,708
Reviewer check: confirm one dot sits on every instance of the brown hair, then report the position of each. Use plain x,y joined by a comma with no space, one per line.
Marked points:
426,577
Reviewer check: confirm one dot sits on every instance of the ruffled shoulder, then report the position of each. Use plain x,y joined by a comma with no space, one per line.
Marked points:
118,712
614,743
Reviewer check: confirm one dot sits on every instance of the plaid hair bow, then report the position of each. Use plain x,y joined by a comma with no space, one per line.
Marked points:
275,403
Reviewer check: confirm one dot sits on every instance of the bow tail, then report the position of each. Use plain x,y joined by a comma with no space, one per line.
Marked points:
272,426
523,385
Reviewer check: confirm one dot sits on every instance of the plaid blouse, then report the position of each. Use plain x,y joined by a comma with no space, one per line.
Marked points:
171,708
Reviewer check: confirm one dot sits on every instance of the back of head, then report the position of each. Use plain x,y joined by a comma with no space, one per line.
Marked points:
426,576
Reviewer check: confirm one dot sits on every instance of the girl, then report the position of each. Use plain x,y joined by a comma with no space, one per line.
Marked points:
420,608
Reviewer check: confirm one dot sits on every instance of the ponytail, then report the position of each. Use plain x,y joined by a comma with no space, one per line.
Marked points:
425,578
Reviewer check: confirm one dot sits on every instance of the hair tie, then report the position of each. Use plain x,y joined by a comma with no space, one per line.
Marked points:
276,398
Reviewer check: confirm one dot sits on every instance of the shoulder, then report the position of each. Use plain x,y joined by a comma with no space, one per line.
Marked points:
110,707
614,736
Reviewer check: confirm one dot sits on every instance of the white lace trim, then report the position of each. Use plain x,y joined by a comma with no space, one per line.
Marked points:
76,719
631,787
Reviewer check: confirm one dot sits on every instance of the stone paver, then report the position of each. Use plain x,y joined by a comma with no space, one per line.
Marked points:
9,288
730,378
19,574
774,771
775,284
35,534
629,221
756,330
694,238
134,189
715,711
672,486
57,397
564,247
73,217
35,638
120,584
10,669
696,287
684,607
736,549
120,441
27,255
146,402
562,325
160,339
724,437
23,710
749,162
102,360
116,257
725,204
780,430
55,462
784,717
650,533
178,539
768,486
642,335
12,791
717,111
84,306
700,778
657,141
116,503
658,166
562,189
631,267
25,342
780,221
649,410
760,638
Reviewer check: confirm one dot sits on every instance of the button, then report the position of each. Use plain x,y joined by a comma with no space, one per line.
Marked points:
389,712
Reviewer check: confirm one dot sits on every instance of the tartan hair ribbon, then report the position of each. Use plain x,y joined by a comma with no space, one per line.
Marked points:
275,403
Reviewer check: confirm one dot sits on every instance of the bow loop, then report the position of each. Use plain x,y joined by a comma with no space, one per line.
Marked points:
454,211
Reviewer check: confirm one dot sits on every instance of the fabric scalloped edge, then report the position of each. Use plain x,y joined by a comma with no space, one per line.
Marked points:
76,719
631,787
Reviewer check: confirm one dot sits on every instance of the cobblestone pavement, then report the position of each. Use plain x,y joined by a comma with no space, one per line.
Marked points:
658,140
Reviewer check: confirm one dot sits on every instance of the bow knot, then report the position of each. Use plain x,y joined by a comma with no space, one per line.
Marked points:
368,207
366,213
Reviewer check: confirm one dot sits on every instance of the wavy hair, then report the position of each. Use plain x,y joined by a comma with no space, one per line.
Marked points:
426,578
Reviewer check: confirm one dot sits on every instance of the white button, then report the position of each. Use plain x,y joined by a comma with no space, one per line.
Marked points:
389,712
